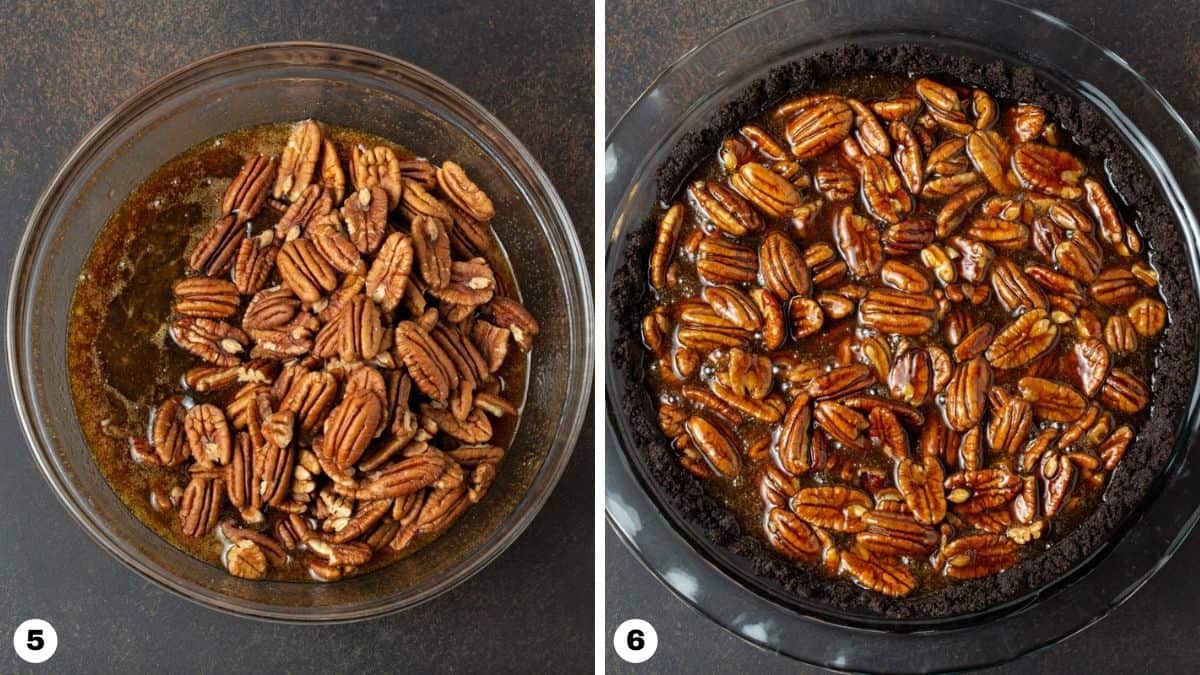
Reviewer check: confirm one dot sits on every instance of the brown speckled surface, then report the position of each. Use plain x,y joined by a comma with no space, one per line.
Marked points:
1156,631
63,68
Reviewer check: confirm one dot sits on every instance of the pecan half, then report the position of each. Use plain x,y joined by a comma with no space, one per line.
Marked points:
241,481
389,272
989,152
843,424
201,505
246,194
312,206
1015,290
1120,334
430,367
1124,240
1024,122
664,246
205,297
1051,400
882,189
1092,360
944,105
1113,448
783,269
167,433
254,262
721,261
216,250
305,271
792,446
432,248
377,167
841,381
1003,234
214,341
724,208
310,398
858,241
1115,287
333,178
1079,257
896,534
881,574
510,314
416,201
337,249
897,312
442,507
805,317
908,236
208,435
734,306
1010,425
836,508
1148,316
1050,170
1024,340
361,332
768,191
351,426
402,478
979,555
908,156
365,212
1123,391
921,485
716,444
246,559
1057,473
790,535
904,277
819,126
471,283
836,182
298,161
911,377
966,393
464,193
977,490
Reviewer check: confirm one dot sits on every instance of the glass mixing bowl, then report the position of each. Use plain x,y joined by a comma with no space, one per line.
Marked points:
354,88
721,585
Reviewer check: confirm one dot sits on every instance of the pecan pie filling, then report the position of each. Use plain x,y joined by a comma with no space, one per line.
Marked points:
308,347
902,330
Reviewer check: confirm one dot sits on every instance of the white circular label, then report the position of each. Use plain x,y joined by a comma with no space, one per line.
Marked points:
35,641
635,641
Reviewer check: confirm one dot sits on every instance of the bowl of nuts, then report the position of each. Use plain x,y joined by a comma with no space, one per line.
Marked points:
901,341
271,341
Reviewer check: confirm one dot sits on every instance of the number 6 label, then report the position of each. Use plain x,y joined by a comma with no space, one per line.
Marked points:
35,641
635,641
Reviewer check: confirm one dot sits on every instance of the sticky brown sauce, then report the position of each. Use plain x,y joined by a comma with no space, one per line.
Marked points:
122,362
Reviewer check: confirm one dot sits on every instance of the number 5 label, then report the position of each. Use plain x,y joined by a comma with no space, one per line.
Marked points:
635,641
35,641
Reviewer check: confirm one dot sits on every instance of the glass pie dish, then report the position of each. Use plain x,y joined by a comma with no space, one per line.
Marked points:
354,88
721,584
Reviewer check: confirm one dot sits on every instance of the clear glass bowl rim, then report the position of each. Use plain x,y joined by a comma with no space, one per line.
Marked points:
545,204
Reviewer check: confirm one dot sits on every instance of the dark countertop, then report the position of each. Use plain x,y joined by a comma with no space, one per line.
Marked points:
61,70
1157,631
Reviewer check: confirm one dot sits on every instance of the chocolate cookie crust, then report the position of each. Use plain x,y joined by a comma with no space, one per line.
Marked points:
1171,387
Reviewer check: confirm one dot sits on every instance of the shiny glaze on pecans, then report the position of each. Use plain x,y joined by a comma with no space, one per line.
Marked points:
895,334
